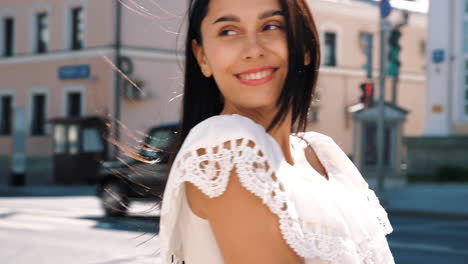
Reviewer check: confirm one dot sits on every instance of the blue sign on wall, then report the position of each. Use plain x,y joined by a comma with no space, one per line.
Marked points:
74,72
438,56
385,8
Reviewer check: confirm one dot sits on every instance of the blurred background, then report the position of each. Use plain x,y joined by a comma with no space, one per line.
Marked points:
90,95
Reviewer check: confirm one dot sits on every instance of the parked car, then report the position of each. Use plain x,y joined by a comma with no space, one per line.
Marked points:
122,181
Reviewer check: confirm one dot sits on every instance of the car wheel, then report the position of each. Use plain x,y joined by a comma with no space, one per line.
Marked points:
114,199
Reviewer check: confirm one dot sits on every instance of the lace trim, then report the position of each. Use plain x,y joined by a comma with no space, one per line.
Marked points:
209,170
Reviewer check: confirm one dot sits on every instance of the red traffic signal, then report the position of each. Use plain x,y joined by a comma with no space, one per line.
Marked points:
367,97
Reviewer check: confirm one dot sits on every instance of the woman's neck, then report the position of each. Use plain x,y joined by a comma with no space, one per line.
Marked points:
280,132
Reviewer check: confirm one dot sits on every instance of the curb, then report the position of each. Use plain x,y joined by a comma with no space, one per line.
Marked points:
41,191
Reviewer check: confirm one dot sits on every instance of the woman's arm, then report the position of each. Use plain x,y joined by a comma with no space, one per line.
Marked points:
245,229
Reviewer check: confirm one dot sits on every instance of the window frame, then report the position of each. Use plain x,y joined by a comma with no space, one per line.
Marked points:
29,114
334,62
38,34
75,42
12,94
332,27
69,5
11,40
6,13
73,89
36,9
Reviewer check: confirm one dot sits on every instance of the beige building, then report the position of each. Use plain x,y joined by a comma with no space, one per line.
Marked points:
57,61
441,151
342,25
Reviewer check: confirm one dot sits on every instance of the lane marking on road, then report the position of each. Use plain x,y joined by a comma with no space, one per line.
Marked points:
55,212
426,247
24,226
41,222
55,220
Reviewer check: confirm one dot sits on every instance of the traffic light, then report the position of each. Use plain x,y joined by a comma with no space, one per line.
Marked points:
367,41
394,63
367,96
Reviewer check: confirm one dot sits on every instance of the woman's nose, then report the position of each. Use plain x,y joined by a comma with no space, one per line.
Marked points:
253,48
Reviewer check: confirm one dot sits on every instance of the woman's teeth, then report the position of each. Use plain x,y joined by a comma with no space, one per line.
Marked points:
256,76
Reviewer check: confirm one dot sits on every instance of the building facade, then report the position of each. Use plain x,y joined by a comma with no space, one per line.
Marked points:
444,142
447,108
58,61
342,29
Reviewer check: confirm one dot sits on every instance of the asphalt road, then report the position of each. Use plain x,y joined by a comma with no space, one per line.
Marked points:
49,230
42,230
429,240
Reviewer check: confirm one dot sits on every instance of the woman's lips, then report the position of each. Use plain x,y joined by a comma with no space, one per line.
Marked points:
257,78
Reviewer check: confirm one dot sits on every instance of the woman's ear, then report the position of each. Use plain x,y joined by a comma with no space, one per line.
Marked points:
307,58
201,59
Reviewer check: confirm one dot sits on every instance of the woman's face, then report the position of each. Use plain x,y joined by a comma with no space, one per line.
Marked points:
244,47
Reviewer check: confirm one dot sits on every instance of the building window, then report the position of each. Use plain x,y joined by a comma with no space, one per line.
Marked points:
74,104
370,145
8,29
313,114
42,33
6,113
465,86
330,49
38,115
77,28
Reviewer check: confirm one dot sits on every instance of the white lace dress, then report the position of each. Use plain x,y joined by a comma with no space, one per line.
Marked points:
335,221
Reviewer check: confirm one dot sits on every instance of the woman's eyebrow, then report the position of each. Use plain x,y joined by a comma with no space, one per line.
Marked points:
268,14
233,18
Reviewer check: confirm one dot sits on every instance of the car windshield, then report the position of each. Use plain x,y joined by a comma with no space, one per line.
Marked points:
159,140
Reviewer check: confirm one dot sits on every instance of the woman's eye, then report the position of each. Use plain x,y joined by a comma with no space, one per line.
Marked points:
273,27
227,32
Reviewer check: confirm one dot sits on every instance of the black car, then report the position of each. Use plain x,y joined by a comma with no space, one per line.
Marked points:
141,176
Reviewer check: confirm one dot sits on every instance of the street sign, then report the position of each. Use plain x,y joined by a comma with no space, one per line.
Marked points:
438,56
74,72
385,8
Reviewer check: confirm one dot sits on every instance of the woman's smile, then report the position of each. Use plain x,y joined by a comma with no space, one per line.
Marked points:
257,76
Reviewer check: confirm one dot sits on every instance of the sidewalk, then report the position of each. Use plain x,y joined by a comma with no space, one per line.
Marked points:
48,190
444,200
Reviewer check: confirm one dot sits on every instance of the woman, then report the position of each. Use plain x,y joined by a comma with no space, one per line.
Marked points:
241,188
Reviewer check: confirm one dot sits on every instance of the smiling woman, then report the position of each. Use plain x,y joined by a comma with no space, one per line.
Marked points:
241,188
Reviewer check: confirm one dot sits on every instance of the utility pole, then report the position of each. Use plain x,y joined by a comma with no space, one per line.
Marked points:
118,77
385,10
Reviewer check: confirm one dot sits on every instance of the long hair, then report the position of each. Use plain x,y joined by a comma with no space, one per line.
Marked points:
202,98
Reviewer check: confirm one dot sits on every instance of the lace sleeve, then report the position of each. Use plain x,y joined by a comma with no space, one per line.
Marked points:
209,168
